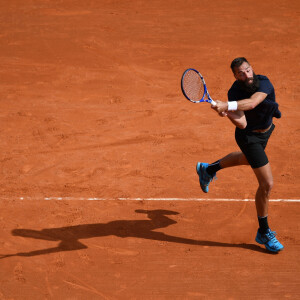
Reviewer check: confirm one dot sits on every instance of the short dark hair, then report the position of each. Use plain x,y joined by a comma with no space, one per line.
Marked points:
238,62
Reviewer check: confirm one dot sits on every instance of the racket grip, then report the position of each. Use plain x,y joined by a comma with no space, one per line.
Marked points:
213,103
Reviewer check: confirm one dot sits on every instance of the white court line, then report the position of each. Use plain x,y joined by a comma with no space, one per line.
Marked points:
149,199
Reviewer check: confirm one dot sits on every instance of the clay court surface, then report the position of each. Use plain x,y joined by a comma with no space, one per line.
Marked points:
96,138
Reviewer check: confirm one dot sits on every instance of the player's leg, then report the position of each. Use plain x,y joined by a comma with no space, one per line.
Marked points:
233,159
265,183
264,234
207,172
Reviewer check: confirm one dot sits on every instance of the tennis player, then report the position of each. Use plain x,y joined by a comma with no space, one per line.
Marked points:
251,107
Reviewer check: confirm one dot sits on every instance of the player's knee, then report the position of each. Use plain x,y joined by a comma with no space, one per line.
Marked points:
267,186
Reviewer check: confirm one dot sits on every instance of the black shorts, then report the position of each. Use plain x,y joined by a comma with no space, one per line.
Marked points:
253,145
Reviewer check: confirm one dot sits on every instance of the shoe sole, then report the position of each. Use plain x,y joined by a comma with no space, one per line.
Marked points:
198,169
267,247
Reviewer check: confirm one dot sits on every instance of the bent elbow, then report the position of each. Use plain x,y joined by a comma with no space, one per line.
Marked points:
242,125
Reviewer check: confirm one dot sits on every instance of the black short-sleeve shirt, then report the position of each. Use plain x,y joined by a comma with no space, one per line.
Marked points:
261,116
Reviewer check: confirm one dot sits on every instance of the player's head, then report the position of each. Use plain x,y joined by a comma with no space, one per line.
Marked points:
237,62
244,74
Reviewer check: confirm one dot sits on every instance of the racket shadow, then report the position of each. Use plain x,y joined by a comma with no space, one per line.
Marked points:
68,237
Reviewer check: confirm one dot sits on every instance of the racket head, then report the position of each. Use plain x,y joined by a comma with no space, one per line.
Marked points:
193,85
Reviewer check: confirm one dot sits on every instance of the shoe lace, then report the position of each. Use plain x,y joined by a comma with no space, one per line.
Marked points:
271,236
213,177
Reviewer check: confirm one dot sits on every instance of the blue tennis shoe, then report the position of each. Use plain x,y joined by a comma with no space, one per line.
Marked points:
204,177
269,240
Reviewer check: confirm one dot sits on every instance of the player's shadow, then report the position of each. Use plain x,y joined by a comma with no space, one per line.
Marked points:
145,229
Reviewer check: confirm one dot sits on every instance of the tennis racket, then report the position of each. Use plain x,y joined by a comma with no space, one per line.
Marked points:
194,87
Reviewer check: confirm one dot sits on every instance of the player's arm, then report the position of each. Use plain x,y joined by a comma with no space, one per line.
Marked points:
245,104
237,118
252,102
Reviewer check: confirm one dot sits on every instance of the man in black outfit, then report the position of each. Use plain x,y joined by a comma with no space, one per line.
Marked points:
251,107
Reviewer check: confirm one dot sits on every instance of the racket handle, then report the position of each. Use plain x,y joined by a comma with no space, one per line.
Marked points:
213,103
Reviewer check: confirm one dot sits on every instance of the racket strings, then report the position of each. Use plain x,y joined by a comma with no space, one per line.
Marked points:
193,86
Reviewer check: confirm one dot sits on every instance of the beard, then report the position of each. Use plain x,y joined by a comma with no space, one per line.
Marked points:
250,87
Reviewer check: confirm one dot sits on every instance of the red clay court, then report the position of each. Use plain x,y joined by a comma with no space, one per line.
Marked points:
99,194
